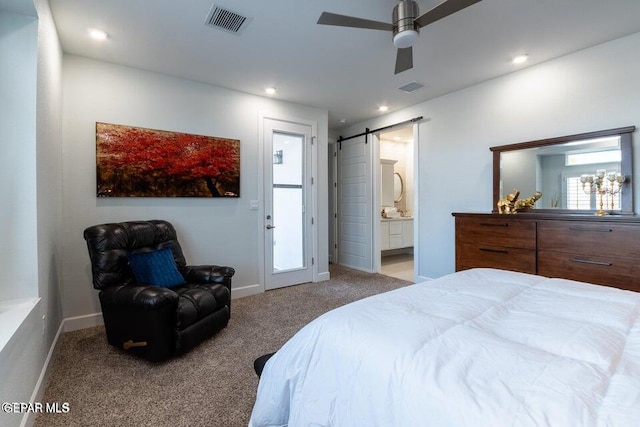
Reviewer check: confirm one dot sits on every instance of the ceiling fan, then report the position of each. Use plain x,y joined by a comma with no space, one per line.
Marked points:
405,27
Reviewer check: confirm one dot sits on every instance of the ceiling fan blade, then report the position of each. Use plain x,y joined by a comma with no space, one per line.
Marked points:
328,18
404,60
443,10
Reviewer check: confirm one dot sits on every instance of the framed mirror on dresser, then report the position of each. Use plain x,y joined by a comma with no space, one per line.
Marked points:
583,226
557,166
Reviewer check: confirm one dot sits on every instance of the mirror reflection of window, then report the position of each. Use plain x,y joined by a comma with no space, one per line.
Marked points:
610,156
564,169
577,198
556,170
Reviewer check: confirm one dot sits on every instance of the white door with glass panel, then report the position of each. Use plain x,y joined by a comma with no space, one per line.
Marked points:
288,219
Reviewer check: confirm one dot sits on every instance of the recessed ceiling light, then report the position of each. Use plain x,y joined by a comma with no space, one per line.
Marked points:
270,91
343,120
520,59
383,108
98,34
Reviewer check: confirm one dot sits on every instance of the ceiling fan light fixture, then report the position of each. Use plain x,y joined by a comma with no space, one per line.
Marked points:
405,31
406,22
405,39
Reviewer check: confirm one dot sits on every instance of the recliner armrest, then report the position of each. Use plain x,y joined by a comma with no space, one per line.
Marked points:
208,274
141,296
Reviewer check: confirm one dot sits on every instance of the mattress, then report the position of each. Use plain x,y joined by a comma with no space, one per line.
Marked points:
480,347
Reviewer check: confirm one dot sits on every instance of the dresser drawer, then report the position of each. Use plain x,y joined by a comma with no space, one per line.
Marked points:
590,238
486,256
610,271
502,232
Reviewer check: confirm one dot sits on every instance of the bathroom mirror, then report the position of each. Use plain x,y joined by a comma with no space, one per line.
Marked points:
558,166
398,187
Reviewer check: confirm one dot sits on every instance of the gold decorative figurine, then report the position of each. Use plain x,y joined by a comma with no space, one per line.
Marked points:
511,204
524,204
507,205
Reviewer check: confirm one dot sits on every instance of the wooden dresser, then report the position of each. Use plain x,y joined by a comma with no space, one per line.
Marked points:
602,250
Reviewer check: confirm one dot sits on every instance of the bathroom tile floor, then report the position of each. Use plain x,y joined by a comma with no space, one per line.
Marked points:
399,266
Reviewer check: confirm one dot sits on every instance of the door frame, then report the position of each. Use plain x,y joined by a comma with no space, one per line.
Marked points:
333,199
377,183
313,176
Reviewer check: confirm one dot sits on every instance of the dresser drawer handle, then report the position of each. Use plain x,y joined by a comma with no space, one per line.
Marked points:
490,224
584,261
499,251
597,230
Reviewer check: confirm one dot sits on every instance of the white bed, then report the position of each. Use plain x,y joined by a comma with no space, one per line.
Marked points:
480,347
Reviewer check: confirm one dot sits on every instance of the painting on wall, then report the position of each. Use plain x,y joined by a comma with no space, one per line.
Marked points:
140,162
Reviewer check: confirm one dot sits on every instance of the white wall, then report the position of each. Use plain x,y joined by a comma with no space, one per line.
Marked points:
18,62
31,152
594,89
49,170
20,346
220,231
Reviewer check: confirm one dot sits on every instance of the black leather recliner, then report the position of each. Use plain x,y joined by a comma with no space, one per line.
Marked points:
150,321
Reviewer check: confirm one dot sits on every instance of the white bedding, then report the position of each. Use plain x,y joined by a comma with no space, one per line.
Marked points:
480,347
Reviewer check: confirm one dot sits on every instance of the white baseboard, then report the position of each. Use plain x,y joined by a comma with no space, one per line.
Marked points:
82,322
96,319
29,418
246,291
423,279
323,276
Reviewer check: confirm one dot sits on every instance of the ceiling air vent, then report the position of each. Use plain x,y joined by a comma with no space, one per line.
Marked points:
226,20
411,87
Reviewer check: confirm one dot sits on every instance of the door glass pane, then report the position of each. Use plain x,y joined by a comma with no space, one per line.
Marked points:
288,202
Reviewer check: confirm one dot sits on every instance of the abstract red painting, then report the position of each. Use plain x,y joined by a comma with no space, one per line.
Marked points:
140,162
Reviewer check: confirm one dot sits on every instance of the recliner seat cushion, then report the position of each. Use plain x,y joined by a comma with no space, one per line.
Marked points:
197,301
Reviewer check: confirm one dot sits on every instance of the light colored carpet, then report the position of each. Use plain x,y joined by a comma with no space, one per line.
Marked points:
214,384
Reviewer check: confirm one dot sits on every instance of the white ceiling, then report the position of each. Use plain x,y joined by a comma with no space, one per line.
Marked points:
347,71
404,134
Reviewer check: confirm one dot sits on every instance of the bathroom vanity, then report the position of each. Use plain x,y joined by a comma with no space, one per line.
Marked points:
396,233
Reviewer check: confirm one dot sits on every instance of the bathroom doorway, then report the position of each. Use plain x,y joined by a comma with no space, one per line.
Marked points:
397,203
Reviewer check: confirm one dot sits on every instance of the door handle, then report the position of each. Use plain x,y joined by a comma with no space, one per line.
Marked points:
597,230
269,226
498,251
584,261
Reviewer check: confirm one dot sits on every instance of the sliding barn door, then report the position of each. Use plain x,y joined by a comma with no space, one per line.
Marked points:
354,205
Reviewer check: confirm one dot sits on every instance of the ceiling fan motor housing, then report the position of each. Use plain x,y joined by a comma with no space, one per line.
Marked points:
405,30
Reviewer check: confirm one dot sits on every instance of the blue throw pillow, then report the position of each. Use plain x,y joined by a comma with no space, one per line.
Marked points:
156,268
